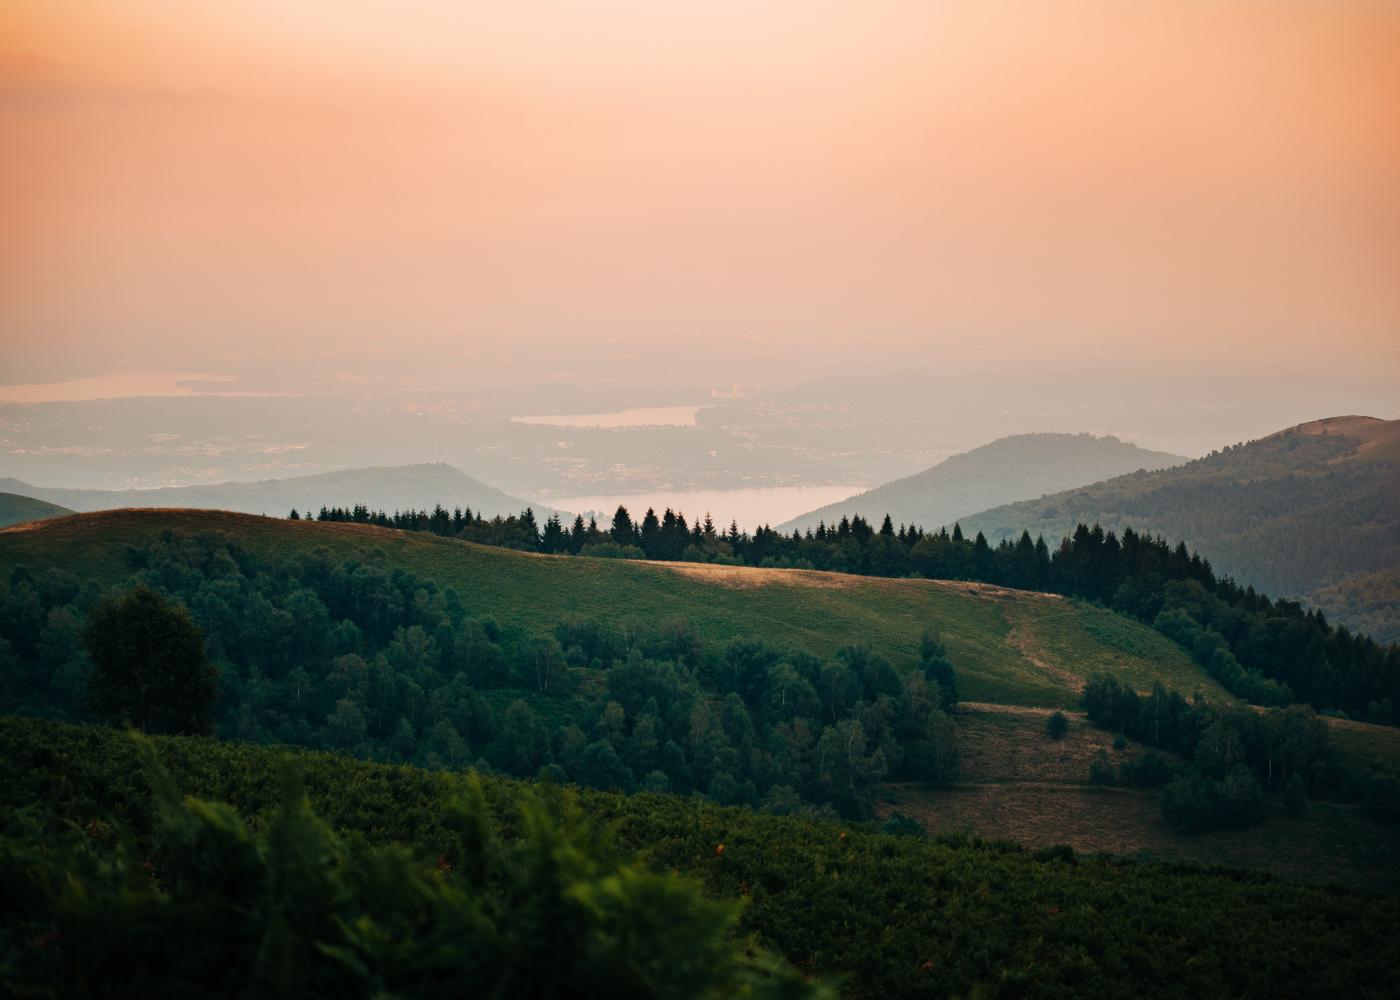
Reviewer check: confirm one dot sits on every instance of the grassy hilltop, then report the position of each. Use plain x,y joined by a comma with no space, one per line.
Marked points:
1011,647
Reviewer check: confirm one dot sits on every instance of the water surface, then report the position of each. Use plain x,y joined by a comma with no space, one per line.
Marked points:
647,416
750,506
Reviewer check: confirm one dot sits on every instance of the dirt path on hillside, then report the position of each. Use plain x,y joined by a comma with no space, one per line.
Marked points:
744,577
1000,709
1022,639
748,577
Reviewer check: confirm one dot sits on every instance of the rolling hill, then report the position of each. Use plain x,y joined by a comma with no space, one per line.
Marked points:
16,509
1017,655
390,488
1009,646
1298,510
1010,468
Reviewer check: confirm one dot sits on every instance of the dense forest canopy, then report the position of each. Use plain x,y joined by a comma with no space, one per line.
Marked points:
372,660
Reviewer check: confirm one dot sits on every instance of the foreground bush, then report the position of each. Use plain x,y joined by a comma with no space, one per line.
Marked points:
216,910
893,916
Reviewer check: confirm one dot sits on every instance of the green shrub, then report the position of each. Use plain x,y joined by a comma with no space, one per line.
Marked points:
900,825
1151,770
895,916
1057,725
1192,802
217,910
1240,799
1188,803
1100,770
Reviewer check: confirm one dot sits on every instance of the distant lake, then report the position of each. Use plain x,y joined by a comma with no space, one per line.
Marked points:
116,385
750,506
650,416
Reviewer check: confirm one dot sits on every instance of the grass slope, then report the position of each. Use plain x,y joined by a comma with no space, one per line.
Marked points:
16,509
1008,646
899,916
1008,469
1289,513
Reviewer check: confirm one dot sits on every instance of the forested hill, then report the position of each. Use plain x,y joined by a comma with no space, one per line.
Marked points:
1008,469
1300,509
390,487
1009,646
15,509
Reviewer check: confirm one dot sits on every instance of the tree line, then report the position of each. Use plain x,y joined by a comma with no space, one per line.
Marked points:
1269,652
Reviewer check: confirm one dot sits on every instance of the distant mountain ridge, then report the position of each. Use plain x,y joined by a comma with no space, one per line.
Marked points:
1008,469
1298,510
16,509
380,487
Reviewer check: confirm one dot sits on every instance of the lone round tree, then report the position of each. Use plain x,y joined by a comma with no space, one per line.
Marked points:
149,668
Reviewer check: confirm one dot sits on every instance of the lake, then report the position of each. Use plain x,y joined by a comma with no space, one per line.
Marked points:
647,416
750,506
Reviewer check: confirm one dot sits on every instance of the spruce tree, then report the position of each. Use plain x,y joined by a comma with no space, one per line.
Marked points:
622,531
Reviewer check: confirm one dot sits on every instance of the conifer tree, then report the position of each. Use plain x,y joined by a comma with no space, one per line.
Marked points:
622,531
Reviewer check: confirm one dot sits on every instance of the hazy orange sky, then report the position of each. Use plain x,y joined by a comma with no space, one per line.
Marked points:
184,186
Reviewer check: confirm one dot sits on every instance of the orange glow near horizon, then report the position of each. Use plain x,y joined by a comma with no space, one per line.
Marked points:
1117,181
